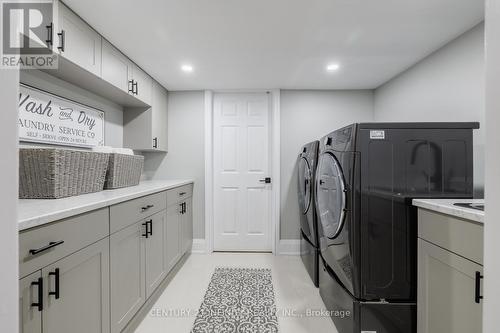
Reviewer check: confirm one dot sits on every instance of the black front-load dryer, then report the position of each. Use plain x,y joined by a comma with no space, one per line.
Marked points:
306,165
366,178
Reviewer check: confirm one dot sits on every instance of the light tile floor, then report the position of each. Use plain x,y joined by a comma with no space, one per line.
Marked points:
175,310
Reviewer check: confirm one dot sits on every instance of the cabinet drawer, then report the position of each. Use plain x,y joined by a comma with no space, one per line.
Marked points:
179,193
129,212
460,236
75,232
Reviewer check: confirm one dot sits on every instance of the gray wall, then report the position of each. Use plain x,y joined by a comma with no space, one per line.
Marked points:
448,85
9,282
113,113
186,150
307,116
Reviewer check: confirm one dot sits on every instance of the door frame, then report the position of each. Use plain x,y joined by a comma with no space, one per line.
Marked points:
275,165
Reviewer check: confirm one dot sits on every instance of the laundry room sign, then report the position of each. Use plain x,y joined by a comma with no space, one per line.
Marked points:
46,118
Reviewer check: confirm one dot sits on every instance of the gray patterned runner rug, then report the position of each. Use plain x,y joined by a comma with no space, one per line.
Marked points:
238,300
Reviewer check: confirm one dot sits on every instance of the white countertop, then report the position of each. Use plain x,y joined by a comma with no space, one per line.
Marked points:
446,206
36,212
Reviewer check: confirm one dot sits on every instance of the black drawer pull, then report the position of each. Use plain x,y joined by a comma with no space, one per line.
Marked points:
182,193
147,207
45,248
38,304
55,293
477,296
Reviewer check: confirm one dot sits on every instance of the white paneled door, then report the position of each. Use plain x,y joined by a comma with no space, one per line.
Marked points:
241,148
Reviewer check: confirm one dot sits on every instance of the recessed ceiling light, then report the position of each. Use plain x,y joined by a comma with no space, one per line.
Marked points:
332,67
187,68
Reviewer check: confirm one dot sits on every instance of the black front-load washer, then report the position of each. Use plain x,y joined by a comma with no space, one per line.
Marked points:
306,166
366,178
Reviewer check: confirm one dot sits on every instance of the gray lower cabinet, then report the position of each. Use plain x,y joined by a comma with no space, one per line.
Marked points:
77,292
95,271
138,266
447,291
128,267
172,232
450,274
30,292
156,253
187,225
70,295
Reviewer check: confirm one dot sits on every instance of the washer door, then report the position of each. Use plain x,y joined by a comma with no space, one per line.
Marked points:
330,195
304,185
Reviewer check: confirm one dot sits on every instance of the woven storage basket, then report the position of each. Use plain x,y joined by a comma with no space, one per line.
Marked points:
51,173
123,170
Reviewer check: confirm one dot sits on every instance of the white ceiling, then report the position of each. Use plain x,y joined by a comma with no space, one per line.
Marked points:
260,44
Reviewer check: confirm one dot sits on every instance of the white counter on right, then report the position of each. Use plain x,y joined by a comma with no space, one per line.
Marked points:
446,206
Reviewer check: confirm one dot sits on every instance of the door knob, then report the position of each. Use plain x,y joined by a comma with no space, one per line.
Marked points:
266,180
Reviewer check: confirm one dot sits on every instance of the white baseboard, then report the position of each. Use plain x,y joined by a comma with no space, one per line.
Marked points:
289,247
199,246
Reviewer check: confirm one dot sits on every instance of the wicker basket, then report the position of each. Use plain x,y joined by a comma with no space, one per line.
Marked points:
123,170
51,173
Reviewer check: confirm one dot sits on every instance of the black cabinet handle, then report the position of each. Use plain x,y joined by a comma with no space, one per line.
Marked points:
478,297
136,88
131,86
56,292
50,34
146,233
45,248
150,223
155,143
39,304
145,208
182,193
62,40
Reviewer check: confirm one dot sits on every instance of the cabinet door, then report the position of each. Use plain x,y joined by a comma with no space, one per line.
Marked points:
187,222
155,252
144,85
30,317
128,291
116,68
81,44
173,231
76,289
446,292
159,117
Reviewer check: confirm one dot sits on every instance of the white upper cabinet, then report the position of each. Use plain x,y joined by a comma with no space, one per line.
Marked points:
76,41
159,117
146,129
116,67
141,84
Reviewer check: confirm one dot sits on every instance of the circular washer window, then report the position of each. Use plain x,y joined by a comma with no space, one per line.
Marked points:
304,185
330,195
